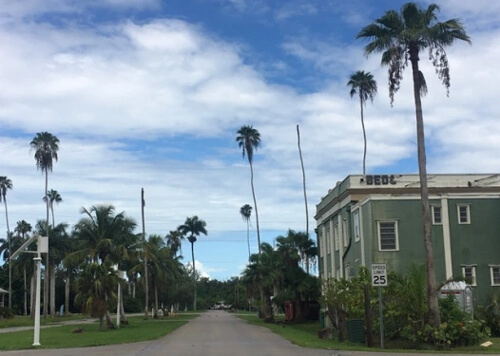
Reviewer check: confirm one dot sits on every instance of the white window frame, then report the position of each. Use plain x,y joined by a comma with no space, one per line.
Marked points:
347,271
357,236
467,206
396,235
433,208
492,267
473,272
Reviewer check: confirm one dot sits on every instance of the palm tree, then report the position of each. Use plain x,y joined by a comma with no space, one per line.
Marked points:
192,228
174,241
45,146
246,212
54,197
22,228
104,238
401,37
249,140
6,184
95,287
363,84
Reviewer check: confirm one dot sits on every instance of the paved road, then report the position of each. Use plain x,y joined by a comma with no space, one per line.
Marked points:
214,333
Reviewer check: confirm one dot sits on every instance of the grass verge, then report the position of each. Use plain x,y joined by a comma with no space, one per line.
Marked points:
306,335
63,336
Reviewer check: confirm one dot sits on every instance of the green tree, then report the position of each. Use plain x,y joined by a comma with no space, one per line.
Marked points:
174,241
246,212
363,84
249,140
401,37
104,237
5,185
193,227
22,229
53,196
95,286
46,147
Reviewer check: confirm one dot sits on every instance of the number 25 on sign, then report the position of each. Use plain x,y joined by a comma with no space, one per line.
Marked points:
379,275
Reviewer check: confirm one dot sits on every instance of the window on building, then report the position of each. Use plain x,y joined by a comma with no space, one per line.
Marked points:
356,226
328,243
336,237
345,232
469,272
388,235
436,215
495,275
463,214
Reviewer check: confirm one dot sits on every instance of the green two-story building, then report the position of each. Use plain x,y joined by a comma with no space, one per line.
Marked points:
377,219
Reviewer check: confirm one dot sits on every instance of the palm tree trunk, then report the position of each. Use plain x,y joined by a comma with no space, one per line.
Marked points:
156,301
194,276
303,179
146,290
364,134
53,290
10,252
255,205
52,210
25,293
47,269
248,239
66,292
123,316
434,316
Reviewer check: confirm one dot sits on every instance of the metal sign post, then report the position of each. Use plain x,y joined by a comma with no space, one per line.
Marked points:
379,280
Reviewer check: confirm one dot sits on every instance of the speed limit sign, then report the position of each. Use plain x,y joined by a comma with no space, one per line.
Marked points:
379,275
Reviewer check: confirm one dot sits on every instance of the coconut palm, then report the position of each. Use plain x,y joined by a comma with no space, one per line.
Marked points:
46,147
192,228
401,37
249,140
95,286
6,184
53,196
363,84
246,212
104,238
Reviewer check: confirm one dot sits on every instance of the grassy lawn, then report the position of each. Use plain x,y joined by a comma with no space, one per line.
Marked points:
26,320
63,336
306,335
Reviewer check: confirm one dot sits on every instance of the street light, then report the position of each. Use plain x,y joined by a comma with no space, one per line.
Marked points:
43,247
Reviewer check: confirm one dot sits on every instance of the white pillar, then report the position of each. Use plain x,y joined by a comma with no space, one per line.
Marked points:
445,219
36,337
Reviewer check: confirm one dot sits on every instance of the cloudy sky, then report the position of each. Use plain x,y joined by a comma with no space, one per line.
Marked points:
150,93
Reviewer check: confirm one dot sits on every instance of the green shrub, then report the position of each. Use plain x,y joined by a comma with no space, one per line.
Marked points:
6,313
132,305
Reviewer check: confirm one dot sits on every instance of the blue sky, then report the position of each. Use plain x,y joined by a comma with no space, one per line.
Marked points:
149,93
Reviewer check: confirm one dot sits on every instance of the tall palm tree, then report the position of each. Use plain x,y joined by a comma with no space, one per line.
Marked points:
363,84
246,212
192,228
54,197
249,140
401,37
6,184
46,147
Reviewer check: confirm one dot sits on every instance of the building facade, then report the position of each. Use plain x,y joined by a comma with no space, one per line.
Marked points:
377,219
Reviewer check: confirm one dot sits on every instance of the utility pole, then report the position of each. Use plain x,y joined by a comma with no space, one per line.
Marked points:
146,290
